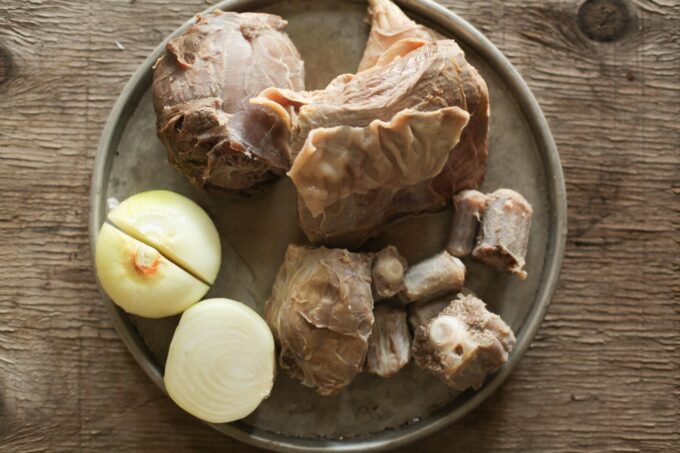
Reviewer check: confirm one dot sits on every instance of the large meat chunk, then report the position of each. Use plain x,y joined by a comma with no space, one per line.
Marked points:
201,88
463,343
320,313
385,142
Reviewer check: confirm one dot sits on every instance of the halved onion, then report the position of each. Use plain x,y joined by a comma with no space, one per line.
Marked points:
179,228
221,361
141,280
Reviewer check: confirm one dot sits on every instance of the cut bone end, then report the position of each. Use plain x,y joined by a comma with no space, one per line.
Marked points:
450,334
391,269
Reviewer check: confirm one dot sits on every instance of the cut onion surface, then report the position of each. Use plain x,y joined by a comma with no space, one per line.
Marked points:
176,226
221,361
140,280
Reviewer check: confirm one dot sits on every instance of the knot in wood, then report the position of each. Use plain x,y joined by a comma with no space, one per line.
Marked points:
605,20
7,66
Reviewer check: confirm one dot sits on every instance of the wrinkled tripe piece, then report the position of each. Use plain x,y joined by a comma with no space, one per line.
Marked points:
389,25
463,344
201,88
504,233
389,346
321,315
342,161
387,141
388,270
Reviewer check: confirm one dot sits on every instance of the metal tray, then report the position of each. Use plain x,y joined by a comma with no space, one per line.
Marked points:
372,413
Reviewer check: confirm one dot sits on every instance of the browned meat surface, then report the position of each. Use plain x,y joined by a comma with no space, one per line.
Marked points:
463,343
388,272
201,88
382,144
468,206
504,232
389,346
321,315
389,25
432,277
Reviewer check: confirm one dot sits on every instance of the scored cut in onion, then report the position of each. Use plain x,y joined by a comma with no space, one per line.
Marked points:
221,361
140,280
176,226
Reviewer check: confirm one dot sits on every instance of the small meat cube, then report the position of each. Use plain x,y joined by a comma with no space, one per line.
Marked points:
504,234
388,272
463,344
432,277
420,313
468,206
389,346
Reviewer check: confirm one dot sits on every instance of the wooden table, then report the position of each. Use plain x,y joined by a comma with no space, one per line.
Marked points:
604,370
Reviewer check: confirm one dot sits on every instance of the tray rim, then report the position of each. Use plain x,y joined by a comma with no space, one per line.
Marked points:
474,39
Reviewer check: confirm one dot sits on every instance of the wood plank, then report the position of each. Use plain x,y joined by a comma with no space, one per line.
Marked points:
604,370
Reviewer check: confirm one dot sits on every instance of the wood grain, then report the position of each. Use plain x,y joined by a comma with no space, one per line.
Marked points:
604,371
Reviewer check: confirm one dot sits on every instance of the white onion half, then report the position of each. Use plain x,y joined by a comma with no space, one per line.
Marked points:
179,228
140,280
221,361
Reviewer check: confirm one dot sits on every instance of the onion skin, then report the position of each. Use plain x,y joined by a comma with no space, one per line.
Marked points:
221,362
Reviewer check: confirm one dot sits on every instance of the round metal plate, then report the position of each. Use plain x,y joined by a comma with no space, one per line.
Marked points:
372,413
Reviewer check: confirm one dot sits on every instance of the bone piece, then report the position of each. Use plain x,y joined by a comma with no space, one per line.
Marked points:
468,206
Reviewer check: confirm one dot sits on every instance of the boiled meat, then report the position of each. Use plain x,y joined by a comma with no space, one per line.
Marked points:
393,33
420,313
384,143
201,88
320,313
389,25
504,233
463,343
468,206
389,346
432,277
